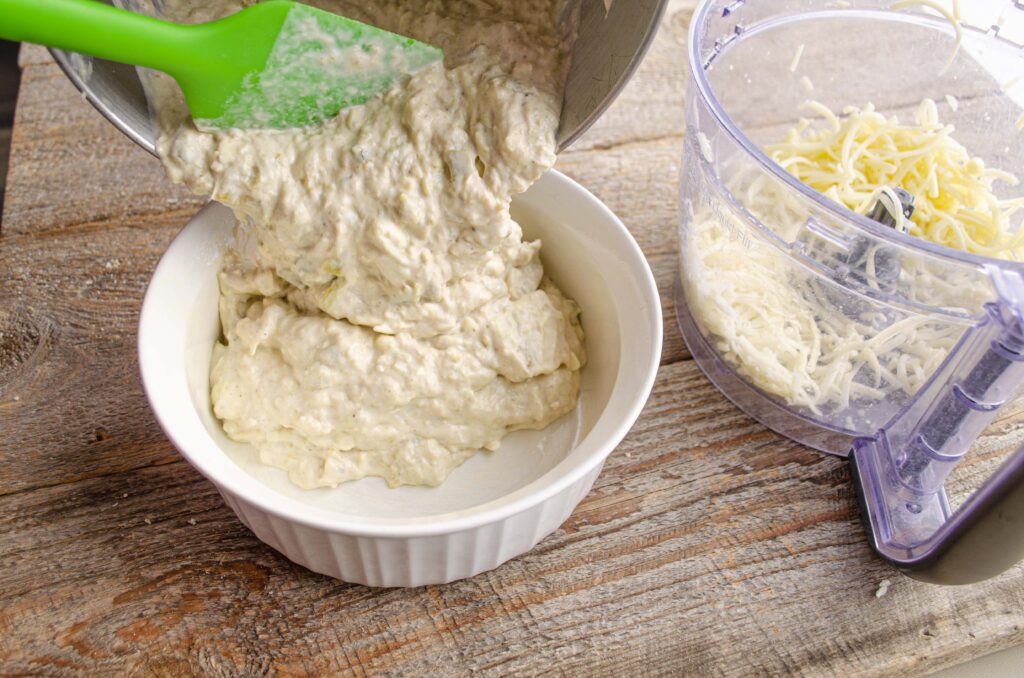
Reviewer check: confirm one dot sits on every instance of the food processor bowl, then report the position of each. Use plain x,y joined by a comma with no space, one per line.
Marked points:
905,354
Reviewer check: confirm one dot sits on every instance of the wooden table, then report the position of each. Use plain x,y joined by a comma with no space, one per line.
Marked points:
709,545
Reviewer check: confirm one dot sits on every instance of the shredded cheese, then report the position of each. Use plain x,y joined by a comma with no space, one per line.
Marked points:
771,323
795,335
806,83
953,17
705,147
953,193
954,104
883,588
796,58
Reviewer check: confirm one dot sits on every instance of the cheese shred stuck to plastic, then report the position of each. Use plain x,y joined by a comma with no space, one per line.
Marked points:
950,15
795,63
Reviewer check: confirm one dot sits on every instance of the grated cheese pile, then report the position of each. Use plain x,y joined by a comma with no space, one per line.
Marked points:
798,336
766,320
864,150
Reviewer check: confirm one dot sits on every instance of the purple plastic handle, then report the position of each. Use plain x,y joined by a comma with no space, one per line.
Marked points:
983,538
900,471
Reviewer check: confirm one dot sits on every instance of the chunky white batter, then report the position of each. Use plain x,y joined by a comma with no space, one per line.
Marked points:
387,318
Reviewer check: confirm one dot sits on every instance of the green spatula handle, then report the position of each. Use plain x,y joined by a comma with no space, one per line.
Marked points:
103,31
221,65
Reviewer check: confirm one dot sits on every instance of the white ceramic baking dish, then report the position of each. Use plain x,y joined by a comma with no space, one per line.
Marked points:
495,506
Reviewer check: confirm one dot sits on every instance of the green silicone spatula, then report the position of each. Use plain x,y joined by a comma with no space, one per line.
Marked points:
273,65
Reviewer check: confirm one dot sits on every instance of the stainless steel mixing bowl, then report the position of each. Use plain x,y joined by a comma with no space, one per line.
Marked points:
612,41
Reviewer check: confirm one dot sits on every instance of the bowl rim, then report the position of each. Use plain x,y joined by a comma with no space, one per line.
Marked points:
556,480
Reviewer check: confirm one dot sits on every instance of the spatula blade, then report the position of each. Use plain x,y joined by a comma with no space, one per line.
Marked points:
319,64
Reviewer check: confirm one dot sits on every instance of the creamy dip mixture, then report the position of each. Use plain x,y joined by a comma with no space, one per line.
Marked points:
381,313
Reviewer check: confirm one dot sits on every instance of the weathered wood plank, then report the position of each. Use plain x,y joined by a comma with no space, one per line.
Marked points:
70,396
5,147
73,167
31,55
705,537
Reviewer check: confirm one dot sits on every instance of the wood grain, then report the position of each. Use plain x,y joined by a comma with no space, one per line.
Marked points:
704,539
5,147
708,546
73,168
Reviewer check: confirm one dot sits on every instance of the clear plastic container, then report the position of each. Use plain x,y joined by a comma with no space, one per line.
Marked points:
910,354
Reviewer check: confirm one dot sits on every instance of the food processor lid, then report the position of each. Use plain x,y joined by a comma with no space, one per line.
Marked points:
699,65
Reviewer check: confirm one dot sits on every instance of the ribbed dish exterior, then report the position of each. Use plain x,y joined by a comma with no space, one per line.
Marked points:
411,561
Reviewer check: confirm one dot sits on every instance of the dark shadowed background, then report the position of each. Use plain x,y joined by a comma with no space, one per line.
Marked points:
8,94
